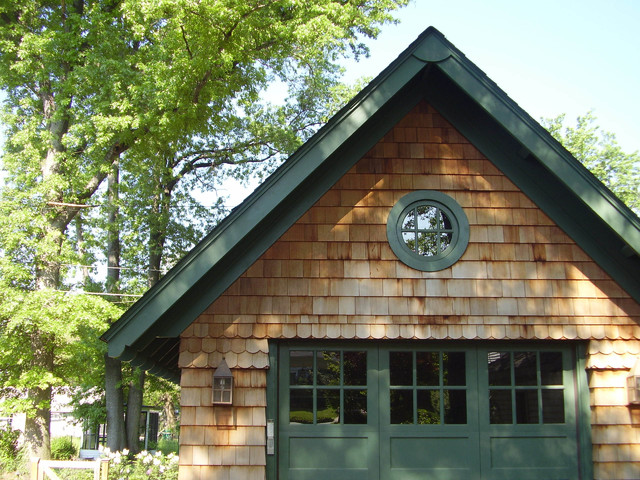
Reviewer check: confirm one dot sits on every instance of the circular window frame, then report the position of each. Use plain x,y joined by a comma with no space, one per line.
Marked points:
459,224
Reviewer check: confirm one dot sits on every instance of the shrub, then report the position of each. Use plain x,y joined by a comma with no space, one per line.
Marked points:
63,448
168,445
143,466
9,451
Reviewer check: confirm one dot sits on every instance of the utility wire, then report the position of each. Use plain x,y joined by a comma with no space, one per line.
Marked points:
82,292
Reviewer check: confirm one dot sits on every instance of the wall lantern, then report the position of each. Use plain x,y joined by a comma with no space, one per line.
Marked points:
222,385
633,385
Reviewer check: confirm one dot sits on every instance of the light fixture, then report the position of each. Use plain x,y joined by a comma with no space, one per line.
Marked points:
633,385
223,385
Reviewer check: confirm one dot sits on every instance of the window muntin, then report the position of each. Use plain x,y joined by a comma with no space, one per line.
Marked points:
427,387
428,230
327,386
525,387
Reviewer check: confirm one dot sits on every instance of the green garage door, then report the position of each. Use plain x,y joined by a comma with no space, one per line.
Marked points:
441,411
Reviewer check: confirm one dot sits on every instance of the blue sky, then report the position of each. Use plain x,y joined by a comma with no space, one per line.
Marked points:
550,56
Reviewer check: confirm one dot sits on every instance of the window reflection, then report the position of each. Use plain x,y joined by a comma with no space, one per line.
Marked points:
325,383
300,367
428,373
401,406
525,387
328,368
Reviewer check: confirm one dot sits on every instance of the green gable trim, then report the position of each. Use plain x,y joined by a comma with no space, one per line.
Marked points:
196,281
432,69
543,147
541,183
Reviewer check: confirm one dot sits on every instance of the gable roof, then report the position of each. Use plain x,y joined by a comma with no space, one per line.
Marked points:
430,69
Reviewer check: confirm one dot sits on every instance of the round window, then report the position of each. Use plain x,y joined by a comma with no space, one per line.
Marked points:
428,230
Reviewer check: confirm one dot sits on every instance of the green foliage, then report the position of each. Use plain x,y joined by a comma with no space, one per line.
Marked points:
9,450
168,445
599,151
185,103
173,95
64,448
69,326
143,466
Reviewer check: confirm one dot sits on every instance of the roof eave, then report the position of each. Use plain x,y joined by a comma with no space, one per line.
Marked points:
429,47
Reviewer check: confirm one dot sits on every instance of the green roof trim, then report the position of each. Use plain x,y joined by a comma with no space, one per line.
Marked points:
430,68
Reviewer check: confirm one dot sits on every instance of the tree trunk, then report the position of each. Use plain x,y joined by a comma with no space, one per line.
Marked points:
116,437
169,413
84,269
114,396
38,422
134,409
113,229
37,426
158,222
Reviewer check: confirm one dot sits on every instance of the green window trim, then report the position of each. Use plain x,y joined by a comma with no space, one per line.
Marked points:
428,230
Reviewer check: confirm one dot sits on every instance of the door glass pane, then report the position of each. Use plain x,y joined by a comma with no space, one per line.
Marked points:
429,406
499,368
427,369
301,406
500,406
401,406
355,406
355,368
527,406
328,365
328,408
455,406
301,367
551,368
525,368
453,368
401,368
552,406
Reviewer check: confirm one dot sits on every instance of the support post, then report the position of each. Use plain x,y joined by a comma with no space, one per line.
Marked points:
35,465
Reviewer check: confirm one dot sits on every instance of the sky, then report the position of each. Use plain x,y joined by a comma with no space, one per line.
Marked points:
550,56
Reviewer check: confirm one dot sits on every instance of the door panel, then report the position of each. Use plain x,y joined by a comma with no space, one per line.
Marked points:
527,413
447,411
328,404
428,419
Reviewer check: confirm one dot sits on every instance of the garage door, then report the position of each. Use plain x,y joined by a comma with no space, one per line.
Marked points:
440,411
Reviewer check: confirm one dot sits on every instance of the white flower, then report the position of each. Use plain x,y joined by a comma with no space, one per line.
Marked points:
125,451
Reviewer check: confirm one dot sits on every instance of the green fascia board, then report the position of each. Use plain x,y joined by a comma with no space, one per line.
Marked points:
251,228
273,192
581,205
545,148
221,275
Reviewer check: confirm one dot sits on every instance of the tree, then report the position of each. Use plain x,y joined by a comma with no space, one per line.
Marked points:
599,151
93,83
30,368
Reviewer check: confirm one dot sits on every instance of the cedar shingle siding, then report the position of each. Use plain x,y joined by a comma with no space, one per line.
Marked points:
332,275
